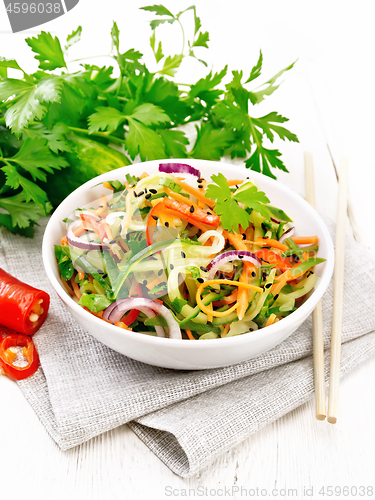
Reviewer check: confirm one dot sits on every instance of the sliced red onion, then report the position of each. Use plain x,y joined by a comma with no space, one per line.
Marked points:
76,242
287,234
221,259
116,311
178,168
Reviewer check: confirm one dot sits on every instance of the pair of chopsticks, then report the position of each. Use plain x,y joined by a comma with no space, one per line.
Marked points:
318,348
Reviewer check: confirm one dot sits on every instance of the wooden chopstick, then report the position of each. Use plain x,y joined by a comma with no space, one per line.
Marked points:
338,288
318,346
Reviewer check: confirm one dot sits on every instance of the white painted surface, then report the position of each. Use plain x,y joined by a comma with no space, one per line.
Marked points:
329,98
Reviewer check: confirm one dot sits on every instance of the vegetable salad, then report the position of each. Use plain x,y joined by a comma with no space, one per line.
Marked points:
179,256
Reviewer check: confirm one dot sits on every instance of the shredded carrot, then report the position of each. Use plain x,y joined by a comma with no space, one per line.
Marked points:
226,330
305,240
220,314
189,334
121,325
75,287
81,275
178,196
249,238
64,241
196,192
103,205
305,256
234,182
229,299
271,320
269,242
108,186
77,231
143,176
243,295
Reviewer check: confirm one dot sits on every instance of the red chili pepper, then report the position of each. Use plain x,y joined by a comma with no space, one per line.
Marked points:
22,307
7,357
97,226
273,258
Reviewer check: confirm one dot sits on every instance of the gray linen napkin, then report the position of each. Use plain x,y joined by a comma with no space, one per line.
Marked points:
187,418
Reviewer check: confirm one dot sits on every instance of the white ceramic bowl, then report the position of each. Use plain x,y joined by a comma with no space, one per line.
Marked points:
184,354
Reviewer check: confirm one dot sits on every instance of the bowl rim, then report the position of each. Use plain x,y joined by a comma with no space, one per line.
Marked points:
295,317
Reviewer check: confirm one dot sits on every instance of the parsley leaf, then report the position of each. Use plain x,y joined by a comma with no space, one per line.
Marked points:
268,87
48,50
175,142
73,38
255,72
249,195
210,142
267,124
143,140
231,214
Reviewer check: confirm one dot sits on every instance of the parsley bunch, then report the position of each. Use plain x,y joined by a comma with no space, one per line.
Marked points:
58,129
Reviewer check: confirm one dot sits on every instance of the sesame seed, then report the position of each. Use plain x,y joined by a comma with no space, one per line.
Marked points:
148,196
153,191
154,217
120,228
243,236
183,255
191,209
171,267
112,241
209,213
200,186
101,206
296,258
166,224
268,285
105,275
140,194
99,271
200,280
200,180
203,269
135,194
160,272
253,274
276,297
251,329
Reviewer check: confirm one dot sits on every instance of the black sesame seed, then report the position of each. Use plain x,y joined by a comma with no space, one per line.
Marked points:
243,236
183,255
200,186
171,266
153,191
140,193
135,194
112,241
90,231
240,256
276,297
148,196
237,186
203,269
98,220
268,285
253,274
145,282
120,228
200,180
146,190
166,224
200,280
160,272
251,329
191,209
89,292
209,213
101,206
99,271
105,275
154,217
296,258
163,283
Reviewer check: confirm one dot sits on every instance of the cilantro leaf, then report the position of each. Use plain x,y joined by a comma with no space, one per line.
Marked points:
210,142
249,195
20,210
158,53
255,72
11,87
268,87
204,88
149,114
36,158
171,65
115,35
9,63
267,124
231,214
175,142
55,138
143,140
31,190
28,105
73,38
105,118
262,159
202,40
48,50
159,10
